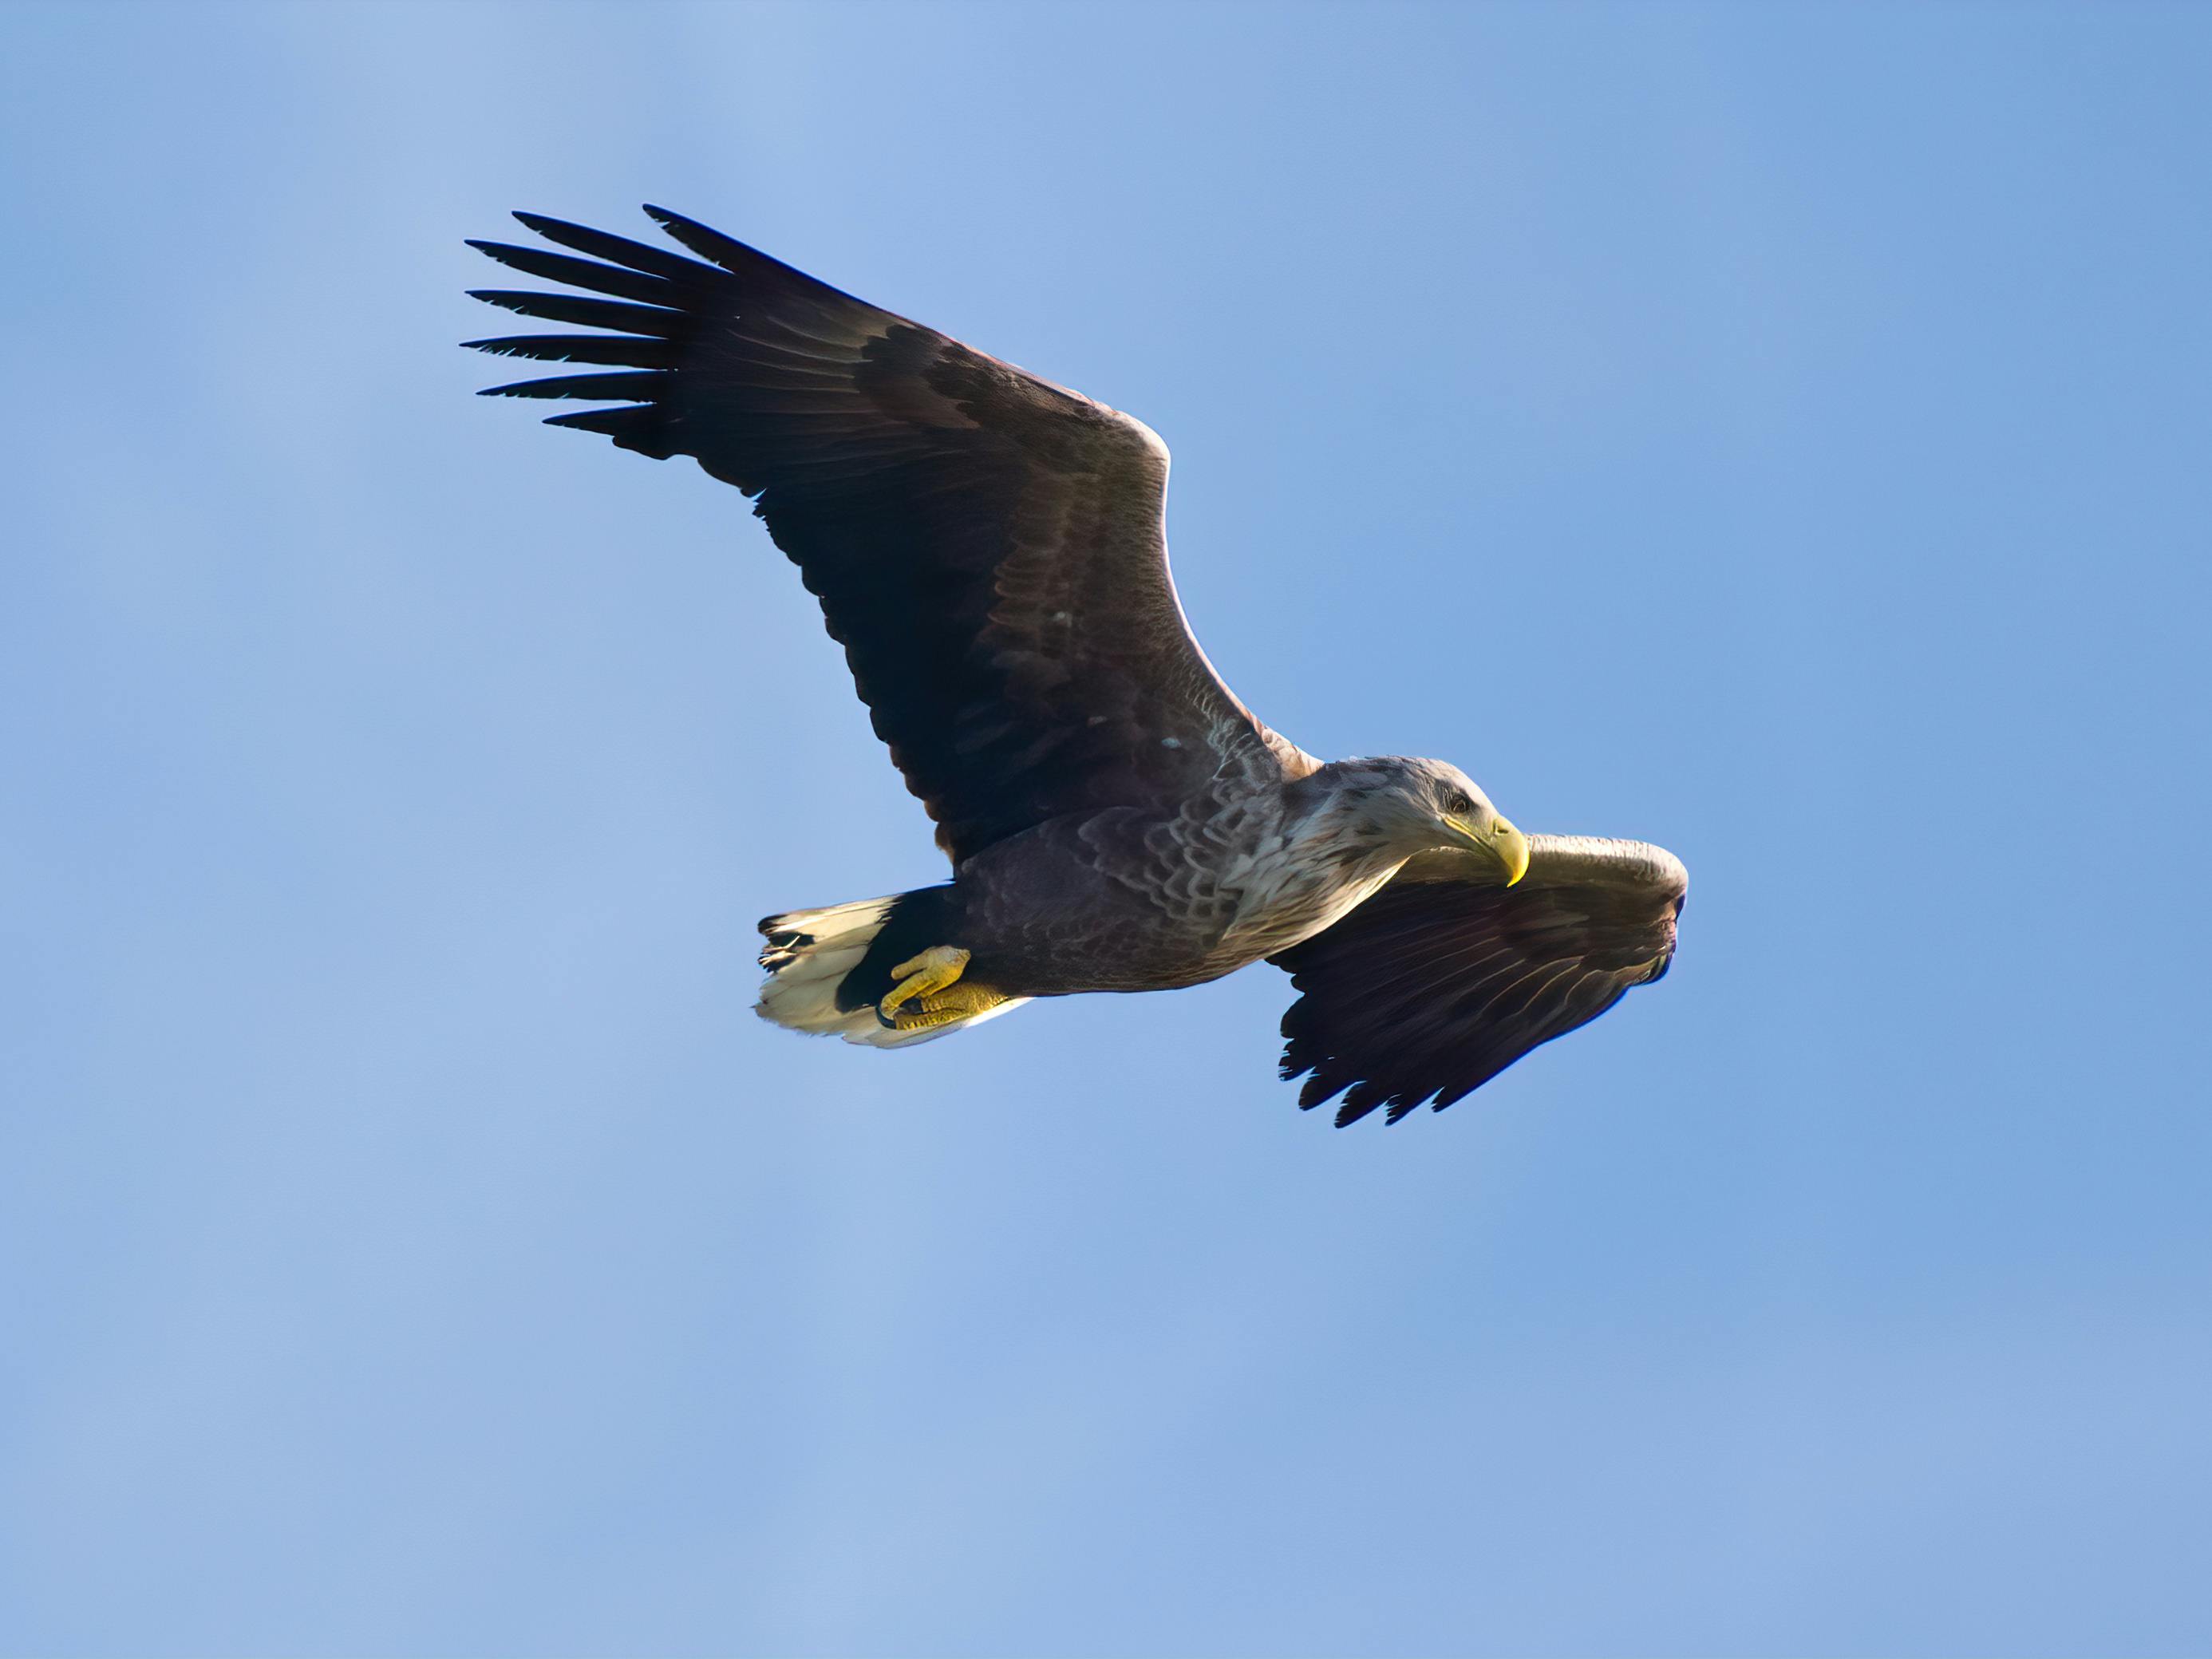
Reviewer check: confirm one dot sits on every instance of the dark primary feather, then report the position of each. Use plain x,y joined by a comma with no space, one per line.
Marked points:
1446,977
986,546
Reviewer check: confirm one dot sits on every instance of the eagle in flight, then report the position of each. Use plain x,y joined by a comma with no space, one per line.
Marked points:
989,549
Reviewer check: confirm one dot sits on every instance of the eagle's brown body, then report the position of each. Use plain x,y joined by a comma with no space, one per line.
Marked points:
1133,899
989,549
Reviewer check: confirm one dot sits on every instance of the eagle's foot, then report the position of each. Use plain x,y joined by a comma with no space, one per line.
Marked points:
930,982
947,1007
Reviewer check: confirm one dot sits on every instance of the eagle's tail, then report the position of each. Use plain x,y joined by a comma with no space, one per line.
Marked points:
828,968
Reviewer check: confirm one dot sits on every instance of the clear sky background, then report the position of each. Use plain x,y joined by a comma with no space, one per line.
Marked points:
1778,432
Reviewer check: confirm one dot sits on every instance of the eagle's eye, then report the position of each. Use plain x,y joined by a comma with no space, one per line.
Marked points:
1457,804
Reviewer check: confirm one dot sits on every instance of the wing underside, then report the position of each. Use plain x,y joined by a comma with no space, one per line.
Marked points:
1446,977
988,546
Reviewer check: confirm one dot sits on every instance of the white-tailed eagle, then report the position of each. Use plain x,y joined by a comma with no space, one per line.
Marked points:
989,549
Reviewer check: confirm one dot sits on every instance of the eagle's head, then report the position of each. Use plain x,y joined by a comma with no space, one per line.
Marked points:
1413,805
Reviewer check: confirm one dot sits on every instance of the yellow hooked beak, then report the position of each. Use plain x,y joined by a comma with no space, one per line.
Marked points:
1503,842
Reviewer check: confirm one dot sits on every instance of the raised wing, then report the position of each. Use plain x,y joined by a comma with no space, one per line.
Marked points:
988,546
1445,978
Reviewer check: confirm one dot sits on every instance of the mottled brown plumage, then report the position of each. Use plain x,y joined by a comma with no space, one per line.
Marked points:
989,549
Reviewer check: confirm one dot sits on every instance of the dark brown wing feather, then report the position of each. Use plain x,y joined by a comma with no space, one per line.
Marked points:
1446,977
986,546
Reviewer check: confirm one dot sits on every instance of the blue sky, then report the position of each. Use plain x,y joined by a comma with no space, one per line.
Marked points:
1775,432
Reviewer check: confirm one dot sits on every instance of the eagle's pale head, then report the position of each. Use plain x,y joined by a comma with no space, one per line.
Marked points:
1413,805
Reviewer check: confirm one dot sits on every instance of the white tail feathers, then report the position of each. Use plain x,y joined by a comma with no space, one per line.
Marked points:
807,955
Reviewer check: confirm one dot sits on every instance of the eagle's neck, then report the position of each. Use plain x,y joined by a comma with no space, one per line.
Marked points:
1327,857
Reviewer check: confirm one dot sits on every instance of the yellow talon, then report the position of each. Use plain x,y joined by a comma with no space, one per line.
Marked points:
928,995
935,969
